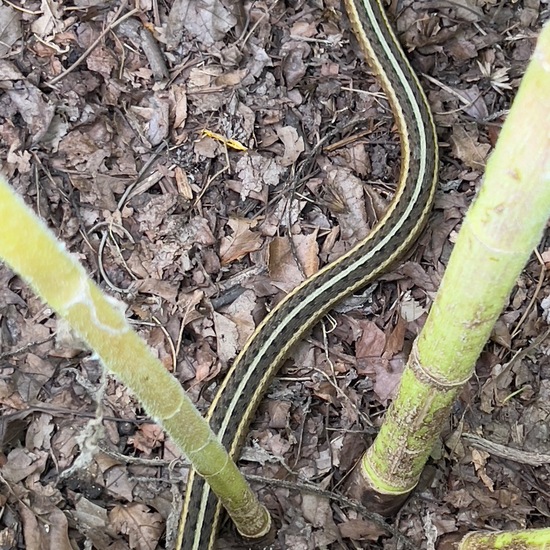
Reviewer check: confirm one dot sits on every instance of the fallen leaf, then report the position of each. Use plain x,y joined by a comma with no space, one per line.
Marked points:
255,171
227,338
118,483
242,242
34,108
240,312
294,67
178,105
372,341
142,526
317,511
10,28
283,267
208,21
48,530
466,147
348,205
294,145
147,437
476,107
91,521
102,60
479,458
360,529
23,463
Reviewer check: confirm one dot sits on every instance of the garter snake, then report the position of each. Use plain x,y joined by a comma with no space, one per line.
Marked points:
246,381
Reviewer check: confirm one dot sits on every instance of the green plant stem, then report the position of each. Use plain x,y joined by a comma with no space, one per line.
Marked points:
527,539
500,231
31,249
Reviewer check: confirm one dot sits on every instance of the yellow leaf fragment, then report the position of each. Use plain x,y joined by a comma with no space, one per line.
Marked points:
231,143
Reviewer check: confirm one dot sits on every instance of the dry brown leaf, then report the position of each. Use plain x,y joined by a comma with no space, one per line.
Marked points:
142,526
65,444
187,302
255,171
205,360
39,432
257,63
360,529
91,521
479,458
196,231
250,170
303,29
50,531
318,512
272,443
466,147
231,78
240,312
159,121
307,250
501,334
50,21
178,105
388,375
165,289
208,148
372,341
327,392
203,93
282,264
80,151
351,208
208,21
282,260
34,108
294,67
411,309
359,160
279,412
22,463
476,106
10,28
287,213
32,375
102,61
294,145
155,112
242,242
419,276
147,438
396,339
118,483
182,182
227,337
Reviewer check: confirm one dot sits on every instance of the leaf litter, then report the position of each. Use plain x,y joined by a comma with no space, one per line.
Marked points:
103,126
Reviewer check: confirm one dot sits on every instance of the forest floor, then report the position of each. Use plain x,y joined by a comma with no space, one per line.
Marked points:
114,127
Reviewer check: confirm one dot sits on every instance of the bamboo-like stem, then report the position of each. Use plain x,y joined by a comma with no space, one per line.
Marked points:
527,539
500,231
32,251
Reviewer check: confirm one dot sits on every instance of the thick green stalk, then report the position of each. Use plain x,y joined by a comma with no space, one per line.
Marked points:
31,249
499,233
527,539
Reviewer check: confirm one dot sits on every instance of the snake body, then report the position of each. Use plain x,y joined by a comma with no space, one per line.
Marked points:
247,380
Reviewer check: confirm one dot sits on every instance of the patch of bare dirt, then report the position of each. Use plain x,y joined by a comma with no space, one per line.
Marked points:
169,145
